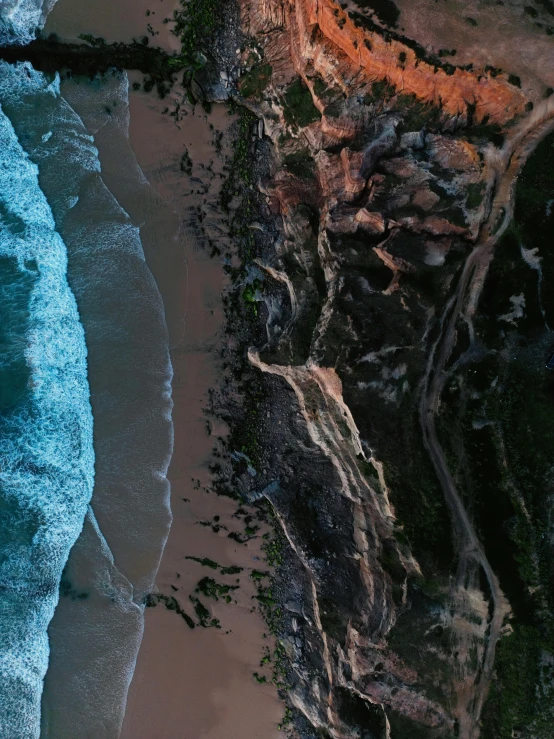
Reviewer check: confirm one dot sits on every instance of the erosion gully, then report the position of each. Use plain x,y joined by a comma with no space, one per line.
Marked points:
504,166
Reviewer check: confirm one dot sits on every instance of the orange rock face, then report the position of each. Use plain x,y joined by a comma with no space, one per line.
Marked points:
320,37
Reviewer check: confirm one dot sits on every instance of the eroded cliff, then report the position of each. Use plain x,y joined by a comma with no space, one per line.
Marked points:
389,194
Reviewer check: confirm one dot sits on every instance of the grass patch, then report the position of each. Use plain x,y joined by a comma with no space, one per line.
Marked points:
253,83
298,104
196,24
300,164
512,702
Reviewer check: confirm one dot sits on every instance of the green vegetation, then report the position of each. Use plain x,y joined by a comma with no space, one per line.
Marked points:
385,10
273,549
361,21
320,88
287,719
475,193
253,83
203,614
258,575
512,702
196,24
547,5
507,461
238,199
415,114
240,165
172,604
493,71
334,109
233,570
301,164
245,434
513,79
205,562
298,104
250,291
380,92
471,21
212,589
533,218
265,595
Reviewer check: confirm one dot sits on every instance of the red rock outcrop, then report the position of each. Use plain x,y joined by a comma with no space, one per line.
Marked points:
319,36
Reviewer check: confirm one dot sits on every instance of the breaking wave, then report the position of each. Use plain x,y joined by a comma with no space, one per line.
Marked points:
21,19
97,627
46,450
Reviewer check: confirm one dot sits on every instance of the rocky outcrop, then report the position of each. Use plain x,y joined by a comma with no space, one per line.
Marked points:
381,181
321,37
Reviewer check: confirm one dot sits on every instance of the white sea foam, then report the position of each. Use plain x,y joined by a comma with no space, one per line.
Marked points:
47,471
115,559
21,19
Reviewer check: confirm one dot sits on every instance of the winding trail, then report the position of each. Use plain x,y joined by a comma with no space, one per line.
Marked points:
504,166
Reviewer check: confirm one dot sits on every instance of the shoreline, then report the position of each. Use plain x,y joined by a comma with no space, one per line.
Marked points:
200,681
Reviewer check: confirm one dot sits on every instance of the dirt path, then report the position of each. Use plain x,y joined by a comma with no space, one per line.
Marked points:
504,165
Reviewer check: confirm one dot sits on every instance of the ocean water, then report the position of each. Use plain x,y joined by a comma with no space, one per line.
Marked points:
85,404
46,449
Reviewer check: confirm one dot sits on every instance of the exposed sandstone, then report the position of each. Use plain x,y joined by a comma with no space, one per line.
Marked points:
374,232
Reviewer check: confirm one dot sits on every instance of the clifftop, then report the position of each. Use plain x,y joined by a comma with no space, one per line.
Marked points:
348,50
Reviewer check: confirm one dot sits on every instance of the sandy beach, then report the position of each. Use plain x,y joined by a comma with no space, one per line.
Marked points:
197,683
188,682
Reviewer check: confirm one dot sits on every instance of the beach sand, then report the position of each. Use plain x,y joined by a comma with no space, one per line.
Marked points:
188,683
197,683
119,20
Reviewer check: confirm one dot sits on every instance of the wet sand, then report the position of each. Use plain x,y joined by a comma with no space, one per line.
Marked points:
119,20
197,682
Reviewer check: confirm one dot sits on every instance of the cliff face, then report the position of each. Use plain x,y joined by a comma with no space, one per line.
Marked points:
321,37
390,186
